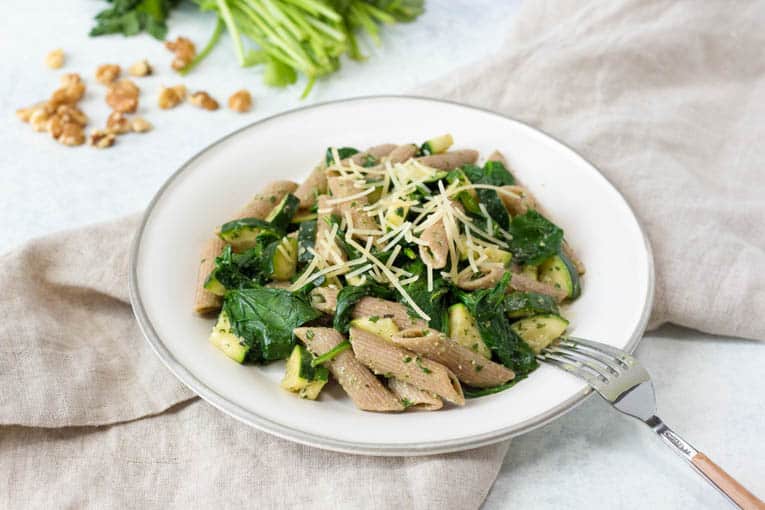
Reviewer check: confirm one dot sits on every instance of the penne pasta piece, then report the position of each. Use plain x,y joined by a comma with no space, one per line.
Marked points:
343,187
414,398
266,199
366,391
436,249
378,152
525,283
324,299
571,254
384,358
314,185
469,366
205,302
487,276
402,153
450,160
520,201
376,307
326,245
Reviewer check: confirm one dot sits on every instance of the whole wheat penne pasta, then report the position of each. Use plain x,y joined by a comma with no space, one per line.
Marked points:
402,153
525,283
384,358
315,184
450,160
376,307
342,187
204,301
414,398
377,151
488,276
324,299
469,366
366,391
270,196
435,250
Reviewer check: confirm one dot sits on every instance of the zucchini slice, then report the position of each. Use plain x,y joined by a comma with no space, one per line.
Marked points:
464,330
214,286
539,331
437,145
306,240
301,378
384,327
224,339
526,304
281,215
241,234
559,271
285,259
395,216
500,256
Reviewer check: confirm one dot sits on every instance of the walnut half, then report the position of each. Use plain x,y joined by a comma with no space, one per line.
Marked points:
122,96
203,100
240,101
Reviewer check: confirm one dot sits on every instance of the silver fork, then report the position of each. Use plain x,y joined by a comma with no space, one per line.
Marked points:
620,379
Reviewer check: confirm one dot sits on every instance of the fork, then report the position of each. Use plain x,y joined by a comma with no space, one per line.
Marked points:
620,379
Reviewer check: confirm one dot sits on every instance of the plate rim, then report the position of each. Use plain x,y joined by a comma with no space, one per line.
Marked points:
359,448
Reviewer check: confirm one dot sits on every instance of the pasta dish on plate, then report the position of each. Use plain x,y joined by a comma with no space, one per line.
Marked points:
409,273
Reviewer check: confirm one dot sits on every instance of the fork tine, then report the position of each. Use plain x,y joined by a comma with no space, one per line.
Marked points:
574,367
613,366
600,370
613,352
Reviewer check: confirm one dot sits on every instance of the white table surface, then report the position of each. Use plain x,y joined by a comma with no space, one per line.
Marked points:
709,389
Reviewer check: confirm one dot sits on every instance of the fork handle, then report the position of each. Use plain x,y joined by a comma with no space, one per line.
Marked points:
712,473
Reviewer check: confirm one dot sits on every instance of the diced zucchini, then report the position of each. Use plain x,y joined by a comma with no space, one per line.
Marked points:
412,172
437,145
384,327
304,216
396,214
464,330
376,194
468,197
224,339
241,234
540,330
281,215
499,256
285,259
526,304
300,377
214,286
356,280
559,271
531,271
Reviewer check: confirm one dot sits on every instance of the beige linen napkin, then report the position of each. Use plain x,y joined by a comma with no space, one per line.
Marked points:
666,97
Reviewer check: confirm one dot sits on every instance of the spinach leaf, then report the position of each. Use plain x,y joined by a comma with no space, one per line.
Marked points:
494,206
524,304
435,303
349,296
471,392
493,172
343,152
254,266
534,238
487,306
265,318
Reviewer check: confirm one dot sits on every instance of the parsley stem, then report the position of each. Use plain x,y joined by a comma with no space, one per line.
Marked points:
342,346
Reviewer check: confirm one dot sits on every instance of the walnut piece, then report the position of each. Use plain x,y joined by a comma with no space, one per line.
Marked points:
184,51
140,68
122,96
106,74
71,134
39,118
55,126
55,59
240,101
140,125
170,97
71,114
101,139
117,123
203,100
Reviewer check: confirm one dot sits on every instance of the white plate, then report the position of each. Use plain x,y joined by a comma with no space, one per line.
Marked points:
613,308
